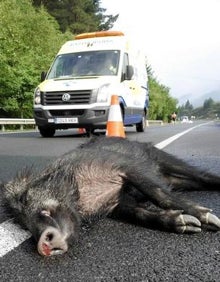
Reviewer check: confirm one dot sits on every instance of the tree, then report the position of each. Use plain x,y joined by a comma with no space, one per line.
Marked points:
27,46
161,102
208,103
186,109
210,109
78,15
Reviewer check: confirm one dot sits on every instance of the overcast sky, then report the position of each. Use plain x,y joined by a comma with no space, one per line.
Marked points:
181,39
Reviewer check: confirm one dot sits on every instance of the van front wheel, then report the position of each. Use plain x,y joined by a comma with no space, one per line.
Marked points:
47,131
90,131
140,127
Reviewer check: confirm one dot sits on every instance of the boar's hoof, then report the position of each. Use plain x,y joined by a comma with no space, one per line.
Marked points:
211,221
188,224
52,242
208,220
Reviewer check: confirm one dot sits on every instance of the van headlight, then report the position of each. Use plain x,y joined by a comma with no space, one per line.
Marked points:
103,93
37,96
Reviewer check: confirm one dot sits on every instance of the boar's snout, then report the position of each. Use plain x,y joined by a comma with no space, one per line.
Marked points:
52,242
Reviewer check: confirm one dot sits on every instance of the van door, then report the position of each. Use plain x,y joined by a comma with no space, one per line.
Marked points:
135,100
127,93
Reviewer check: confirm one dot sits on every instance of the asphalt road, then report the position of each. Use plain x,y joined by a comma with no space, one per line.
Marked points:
111,250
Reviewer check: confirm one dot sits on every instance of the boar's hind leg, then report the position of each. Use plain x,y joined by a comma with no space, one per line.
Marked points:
170,220
177,210
166,200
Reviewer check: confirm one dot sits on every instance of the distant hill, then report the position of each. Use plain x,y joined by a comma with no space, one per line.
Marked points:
198,100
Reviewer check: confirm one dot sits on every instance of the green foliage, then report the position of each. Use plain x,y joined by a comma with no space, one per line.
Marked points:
185,110
208,104
161,103
27,46
78,16
210,109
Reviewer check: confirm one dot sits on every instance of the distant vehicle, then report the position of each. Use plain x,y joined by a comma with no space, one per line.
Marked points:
185,119
76,91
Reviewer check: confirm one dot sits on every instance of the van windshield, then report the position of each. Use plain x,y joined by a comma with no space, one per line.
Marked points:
92,63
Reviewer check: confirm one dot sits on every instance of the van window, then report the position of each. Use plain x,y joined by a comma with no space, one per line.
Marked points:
92,63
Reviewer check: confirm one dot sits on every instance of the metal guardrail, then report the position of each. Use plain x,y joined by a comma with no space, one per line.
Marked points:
148,122
22,122
14,121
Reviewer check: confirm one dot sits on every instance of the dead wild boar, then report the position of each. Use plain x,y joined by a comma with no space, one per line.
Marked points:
108,176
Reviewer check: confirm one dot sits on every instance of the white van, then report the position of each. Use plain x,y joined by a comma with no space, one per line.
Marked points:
76,91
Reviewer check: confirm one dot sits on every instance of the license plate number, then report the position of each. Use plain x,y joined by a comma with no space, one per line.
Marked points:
66,120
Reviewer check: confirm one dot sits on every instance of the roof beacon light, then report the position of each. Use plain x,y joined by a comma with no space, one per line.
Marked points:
99,34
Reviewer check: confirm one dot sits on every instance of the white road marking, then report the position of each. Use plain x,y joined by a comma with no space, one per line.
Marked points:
12,235
166,142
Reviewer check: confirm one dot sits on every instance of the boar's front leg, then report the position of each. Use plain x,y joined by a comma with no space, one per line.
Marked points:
179,214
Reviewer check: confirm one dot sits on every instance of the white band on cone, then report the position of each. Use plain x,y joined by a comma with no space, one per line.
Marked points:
115,113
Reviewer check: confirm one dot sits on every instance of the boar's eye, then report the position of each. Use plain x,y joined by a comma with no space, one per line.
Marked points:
48,217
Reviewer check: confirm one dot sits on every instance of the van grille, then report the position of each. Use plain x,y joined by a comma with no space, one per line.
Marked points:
66,113
76,97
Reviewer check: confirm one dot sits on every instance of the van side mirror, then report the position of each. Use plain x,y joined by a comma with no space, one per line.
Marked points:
43,76
129,72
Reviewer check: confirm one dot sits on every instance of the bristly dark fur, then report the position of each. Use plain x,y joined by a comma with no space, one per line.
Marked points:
108,177
24,173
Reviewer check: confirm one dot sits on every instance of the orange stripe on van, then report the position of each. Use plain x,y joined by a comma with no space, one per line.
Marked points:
99,34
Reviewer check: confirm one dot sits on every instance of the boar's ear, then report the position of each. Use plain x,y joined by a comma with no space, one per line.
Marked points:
15,191
23,198
13,199
2,185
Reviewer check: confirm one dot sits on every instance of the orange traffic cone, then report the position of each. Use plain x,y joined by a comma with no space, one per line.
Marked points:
115,124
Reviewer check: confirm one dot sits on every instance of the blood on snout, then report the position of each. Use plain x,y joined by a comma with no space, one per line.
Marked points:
46,250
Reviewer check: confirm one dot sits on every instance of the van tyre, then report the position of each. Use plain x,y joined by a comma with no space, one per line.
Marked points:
140,127
47,131
89,132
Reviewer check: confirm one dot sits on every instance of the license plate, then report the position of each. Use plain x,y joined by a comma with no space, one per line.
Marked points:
66,120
